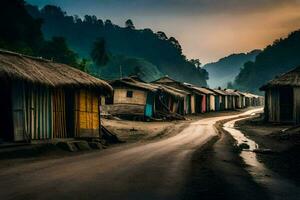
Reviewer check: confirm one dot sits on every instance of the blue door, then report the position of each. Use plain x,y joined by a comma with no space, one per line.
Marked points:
149,105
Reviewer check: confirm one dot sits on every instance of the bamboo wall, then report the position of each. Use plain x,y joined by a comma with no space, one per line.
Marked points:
139,97
87,114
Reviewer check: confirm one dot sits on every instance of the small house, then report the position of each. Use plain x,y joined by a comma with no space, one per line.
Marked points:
282,98
43,100
210,98
134,98
195,102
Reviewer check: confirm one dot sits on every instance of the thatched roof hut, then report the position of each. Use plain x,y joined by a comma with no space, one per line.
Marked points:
291,79
16,66
282,97
42,99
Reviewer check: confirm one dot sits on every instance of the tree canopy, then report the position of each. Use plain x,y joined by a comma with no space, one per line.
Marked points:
275,59
156,48
22,33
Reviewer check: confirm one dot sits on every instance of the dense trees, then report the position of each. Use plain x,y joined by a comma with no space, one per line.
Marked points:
154,48
226,69
278,58
22,33
99,54
19,31
129,24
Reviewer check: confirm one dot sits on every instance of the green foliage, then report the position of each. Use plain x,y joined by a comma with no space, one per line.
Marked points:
99,53
57,50
129,66
275,59
22,33
156,48
129,24
19,31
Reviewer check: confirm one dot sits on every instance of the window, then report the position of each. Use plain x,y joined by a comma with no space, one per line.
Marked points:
129,94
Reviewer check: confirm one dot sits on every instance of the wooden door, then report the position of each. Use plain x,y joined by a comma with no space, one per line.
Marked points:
286,100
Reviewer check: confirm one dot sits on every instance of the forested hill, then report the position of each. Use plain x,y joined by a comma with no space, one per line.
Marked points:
156,49
226,69
278,58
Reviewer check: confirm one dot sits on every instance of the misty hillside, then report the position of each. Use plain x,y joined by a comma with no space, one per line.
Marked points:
280,57
226,69
126,66
156,49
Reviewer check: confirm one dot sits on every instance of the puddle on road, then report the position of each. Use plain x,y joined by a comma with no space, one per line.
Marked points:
279,187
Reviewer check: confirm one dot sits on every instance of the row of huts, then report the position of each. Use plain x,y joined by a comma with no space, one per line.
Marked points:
44,100
166,97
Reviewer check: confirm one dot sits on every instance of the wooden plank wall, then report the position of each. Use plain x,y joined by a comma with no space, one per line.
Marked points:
32,112
138,96
39,118
296,105
212,103
18,111
273,105
87,114
193,104
59,114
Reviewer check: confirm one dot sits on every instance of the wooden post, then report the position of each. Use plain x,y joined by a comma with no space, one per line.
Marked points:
99,115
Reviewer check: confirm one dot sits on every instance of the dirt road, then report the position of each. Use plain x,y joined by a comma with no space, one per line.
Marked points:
155,170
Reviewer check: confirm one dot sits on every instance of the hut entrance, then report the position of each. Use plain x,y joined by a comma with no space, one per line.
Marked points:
198,103
286,104
6,124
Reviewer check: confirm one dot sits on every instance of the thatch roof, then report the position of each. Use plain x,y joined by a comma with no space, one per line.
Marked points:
14,66
187,87
231,92
132,83
172,90
220,92
291,78
152,87
203,90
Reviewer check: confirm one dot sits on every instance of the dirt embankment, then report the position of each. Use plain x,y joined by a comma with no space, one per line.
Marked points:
285,145
136,131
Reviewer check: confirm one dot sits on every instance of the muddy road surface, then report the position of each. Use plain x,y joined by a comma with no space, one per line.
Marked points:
154,170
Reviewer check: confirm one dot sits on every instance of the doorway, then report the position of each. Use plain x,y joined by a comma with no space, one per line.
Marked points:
6,124
286,99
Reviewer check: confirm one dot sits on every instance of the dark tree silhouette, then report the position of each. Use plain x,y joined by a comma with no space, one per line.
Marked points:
278,58
129,24
57,49
99,54
154,49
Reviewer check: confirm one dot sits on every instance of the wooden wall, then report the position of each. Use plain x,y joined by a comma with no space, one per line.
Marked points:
32,112
212,103
193,104
297,105
86,114
139,97
273,105
59,114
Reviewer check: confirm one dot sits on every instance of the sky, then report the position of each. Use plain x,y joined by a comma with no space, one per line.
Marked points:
206,29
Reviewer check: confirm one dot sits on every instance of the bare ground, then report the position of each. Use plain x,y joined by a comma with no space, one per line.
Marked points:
219,172
285,160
